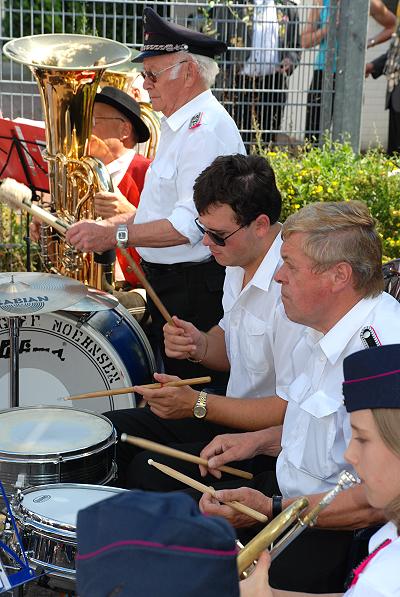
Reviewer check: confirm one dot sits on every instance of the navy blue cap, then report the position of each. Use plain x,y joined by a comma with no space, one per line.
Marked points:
164,37
124,103
372,378
148,544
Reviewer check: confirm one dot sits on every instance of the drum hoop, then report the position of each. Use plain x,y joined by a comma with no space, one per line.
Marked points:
67,455
48,526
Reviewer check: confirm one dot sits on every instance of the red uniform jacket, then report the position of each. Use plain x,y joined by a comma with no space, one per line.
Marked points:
131,186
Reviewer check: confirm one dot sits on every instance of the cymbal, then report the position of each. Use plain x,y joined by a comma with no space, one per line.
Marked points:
95,300
28,293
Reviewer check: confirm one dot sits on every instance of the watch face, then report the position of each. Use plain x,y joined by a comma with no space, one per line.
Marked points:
199,411
122,235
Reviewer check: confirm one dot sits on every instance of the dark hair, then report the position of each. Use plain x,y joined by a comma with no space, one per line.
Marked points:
245,183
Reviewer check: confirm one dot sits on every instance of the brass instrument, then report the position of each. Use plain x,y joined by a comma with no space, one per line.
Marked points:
123,77
68,69
290,517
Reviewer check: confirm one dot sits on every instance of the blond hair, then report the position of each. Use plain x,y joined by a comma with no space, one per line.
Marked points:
341,231
388,423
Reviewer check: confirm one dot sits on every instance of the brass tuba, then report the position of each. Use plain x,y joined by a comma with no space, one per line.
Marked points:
123,77
68,69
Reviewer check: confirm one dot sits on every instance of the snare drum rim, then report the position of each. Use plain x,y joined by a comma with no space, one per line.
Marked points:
53,528
86,450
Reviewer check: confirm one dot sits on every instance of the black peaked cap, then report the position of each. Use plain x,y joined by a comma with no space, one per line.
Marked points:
163,37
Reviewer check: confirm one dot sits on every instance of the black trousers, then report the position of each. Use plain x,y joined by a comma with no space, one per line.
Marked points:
259,100
394,131
317,561
314,105
193,293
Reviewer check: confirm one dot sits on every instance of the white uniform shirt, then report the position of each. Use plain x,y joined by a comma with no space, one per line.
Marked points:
381,577
316,429
186,148
117,168
253,317
264,57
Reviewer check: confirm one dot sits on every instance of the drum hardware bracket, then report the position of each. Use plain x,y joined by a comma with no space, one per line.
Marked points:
116,325
84,318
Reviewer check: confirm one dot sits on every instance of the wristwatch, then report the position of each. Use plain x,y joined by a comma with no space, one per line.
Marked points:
122,236
200,408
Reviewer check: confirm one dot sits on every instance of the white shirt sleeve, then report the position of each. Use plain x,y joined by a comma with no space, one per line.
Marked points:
199,150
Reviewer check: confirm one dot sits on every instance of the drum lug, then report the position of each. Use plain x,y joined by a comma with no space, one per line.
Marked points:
116,325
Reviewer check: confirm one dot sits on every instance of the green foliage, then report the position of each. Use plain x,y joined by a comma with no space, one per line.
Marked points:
335,173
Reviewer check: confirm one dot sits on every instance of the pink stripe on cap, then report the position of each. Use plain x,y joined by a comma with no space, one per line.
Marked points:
372,377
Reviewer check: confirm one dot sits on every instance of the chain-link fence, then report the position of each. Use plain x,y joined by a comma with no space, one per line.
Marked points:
277,79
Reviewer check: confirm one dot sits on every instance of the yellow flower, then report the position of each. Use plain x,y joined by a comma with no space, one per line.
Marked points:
319,189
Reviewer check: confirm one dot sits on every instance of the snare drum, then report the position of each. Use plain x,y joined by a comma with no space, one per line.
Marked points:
46,520
67,353
41,445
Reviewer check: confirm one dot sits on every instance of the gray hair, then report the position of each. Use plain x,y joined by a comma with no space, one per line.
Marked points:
208,68
341,231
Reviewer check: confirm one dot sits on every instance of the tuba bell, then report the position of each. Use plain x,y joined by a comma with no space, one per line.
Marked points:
68,69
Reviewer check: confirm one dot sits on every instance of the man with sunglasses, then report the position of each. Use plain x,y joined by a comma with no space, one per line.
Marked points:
179,69
239,206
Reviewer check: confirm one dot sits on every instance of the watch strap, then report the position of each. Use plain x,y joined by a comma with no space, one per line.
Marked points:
276,505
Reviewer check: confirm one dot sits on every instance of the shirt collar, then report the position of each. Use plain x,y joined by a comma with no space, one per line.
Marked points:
336,340
267,268
197,104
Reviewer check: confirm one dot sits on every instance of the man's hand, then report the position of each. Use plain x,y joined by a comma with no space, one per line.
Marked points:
108,204
232,447
369,69
34,229
245,495
88,235
169,402
256,585
183,340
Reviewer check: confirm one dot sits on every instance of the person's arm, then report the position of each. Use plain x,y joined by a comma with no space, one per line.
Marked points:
349,510
313,33
256,584
88,235
384,17
184,340
233,447
248,414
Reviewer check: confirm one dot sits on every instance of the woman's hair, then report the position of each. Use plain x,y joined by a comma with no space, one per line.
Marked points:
387,421
341,231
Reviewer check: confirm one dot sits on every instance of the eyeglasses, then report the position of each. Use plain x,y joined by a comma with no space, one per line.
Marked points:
154,76
216,238
96,118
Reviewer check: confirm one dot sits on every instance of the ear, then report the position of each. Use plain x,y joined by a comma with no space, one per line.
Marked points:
342,276
191,74
262,225
125,130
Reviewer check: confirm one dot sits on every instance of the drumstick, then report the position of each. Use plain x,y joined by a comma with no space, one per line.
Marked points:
146,444
148,287
193,381
19,196
205,489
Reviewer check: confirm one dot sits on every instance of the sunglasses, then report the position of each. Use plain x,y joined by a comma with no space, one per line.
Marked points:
216,238
153,76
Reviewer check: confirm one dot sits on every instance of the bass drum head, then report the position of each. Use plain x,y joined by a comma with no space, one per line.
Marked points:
64,353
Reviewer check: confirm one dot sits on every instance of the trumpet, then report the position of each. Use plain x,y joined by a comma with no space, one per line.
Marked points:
290,517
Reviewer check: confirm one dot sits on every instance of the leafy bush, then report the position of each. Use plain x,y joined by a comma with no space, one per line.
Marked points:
335,173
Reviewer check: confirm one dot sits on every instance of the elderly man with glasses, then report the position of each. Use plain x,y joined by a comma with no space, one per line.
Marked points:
179,71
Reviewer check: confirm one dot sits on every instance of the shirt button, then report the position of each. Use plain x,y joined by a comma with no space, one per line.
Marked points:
322,359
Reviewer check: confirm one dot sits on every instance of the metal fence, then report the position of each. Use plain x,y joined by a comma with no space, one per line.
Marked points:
278,92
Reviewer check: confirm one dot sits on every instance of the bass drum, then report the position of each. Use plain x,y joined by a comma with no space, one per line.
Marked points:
67,353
